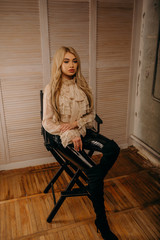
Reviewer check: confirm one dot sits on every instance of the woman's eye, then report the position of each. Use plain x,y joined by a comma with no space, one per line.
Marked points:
75,61
65,61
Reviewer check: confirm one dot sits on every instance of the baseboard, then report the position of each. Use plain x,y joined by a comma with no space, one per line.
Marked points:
146,151
123,146
28,163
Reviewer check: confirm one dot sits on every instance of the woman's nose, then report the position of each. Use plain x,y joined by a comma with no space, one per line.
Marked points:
71,64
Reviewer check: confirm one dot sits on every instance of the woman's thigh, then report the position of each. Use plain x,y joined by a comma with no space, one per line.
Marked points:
97,142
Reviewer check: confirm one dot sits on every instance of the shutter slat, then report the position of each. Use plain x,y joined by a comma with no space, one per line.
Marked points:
113,62
69,26
21,78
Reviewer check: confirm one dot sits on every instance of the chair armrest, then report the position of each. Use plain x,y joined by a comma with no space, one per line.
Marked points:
46,139
98,121
41,102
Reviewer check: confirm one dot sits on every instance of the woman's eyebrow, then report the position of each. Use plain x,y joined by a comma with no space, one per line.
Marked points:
69,59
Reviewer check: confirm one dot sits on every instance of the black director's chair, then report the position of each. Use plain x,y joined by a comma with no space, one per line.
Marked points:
72,166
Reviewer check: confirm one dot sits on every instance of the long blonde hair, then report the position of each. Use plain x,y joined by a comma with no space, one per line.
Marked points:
56,79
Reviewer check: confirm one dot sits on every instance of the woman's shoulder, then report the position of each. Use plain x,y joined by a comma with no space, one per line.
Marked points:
47,88
47,91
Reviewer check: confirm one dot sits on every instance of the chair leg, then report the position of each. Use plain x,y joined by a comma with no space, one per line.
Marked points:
74,174
71,174
54,179
54,197
63,162
62,198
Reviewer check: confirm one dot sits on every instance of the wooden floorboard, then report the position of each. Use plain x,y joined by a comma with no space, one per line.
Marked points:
132,202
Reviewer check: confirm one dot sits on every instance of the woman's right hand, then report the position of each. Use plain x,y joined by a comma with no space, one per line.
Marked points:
67,126
77,142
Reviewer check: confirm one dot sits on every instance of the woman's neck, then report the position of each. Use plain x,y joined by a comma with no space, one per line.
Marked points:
68,81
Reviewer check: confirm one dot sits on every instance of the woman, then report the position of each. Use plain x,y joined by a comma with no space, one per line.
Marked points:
68,118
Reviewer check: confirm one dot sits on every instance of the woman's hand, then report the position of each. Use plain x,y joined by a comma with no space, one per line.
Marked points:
77,142
67,126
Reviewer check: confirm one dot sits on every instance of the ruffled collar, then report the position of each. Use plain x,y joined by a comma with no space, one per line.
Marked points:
68,82
71,91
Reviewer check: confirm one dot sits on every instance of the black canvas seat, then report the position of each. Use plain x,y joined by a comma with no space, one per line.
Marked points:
73,166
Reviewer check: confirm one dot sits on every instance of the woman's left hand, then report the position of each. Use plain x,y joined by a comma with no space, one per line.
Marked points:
77,142
67,126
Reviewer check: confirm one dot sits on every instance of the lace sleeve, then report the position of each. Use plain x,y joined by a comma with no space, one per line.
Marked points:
86,120
49,124
68,135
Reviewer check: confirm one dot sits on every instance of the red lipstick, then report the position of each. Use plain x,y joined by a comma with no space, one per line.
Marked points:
71,70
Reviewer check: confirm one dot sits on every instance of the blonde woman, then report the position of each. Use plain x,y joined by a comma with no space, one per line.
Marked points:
68,118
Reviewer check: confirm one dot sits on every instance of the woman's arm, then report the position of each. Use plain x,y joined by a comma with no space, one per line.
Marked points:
86,120
68,131
48,122
68,126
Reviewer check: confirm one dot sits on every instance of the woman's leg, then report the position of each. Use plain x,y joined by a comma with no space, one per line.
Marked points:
97,142
96,176
95,173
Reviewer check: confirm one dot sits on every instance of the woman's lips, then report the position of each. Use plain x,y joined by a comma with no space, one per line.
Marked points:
71,70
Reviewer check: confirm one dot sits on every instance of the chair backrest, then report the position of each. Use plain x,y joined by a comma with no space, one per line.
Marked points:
43,131
41,102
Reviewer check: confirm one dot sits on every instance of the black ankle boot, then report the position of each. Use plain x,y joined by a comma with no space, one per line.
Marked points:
103,227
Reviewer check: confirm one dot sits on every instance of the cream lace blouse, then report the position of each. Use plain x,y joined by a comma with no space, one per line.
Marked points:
73,105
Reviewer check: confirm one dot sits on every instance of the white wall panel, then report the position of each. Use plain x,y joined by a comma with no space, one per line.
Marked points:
114,32
69,26
21,79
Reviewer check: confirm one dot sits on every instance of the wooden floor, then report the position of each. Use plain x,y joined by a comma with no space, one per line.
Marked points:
132,200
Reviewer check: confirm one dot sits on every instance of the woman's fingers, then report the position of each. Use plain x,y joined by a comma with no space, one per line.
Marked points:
64,127
76,146
77,142
80,146
68,126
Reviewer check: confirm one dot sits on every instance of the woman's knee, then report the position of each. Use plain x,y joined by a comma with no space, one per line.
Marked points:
111,148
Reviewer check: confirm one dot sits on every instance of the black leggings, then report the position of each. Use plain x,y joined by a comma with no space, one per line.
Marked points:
95,173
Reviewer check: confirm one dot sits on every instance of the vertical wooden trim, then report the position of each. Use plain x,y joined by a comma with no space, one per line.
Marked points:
135,46
92,46
4,137
44,40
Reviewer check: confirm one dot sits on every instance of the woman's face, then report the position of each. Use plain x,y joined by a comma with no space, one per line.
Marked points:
69,66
